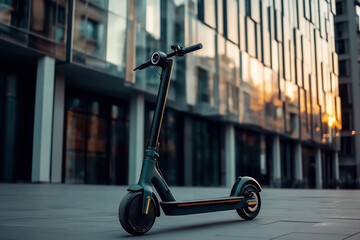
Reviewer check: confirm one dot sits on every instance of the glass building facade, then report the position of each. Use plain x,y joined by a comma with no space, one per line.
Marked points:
260,99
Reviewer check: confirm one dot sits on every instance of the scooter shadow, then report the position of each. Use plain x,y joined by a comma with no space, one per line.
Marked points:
201,226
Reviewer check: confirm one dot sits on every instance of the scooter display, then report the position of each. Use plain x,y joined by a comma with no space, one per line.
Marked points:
140,207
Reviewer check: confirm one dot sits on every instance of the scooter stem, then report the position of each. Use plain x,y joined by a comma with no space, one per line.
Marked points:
160,104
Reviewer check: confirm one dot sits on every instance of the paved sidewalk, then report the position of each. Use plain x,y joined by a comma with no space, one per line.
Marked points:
43,211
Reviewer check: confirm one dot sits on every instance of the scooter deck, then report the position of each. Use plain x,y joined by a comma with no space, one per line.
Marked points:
205,205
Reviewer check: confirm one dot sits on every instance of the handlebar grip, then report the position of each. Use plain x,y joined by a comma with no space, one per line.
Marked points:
192,48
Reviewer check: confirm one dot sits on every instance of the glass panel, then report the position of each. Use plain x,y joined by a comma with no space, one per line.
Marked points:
116,38
170,148
118,7
232,21
61,26
119,146
153,16
94,29
99,3
79,25
96,157
250,38
206,153
247,153
96,142
14,13
75,146
220,17
43,18
203,88
210,13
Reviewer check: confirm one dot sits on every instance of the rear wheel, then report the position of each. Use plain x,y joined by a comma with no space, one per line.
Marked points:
250,212
131,217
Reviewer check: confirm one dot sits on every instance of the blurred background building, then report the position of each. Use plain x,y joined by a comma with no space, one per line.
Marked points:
260,99
347,35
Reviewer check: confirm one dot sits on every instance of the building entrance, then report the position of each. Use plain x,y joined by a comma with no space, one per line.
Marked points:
96,140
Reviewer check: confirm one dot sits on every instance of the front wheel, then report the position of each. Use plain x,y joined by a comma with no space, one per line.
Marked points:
131,217
250,212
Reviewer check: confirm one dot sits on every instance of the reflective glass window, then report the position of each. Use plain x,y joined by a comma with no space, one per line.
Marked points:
118,7
220,16
15,13
153,16
94,30
96,140
247,153
255,10
203,87
345,120
206,155
209,10
357,13
79,25
242,32
250,37
232,20
116,38
340,7
344,68
43,18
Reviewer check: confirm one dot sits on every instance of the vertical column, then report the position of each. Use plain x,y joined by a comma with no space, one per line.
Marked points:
318,168
230,170
43,120
336,168
188,167
298,165
58,128
136,135
276,179
263,167
130,42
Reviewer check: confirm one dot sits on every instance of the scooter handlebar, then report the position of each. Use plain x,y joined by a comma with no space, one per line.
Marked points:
178,51
192,48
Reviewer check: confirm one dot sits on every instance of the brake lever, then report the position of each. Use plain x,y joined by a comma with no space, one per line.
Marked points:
144,65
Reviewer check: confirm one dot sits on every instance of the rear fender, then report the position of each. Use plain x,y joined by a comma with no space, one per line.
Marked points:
242,181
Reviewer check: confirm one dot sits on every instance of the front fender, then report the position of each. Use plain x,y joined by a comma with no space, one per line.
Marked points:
240,182
140,188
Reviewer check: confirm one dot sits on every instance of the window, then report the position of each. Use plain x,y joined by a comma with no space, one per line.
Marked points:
89,28
206,12
344,68
201,14
232,26
342,46
345,120
347,145
248,8
15,13
247,101
341,28
340,8
344,93
357,13
203,88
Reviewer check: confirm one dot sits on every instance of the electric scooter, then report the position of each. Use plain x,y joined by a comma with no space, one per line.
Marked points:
139,208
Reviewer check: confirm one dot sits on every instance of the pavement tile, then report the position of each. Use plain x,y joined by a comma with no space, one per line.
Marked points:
354,237
302,236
